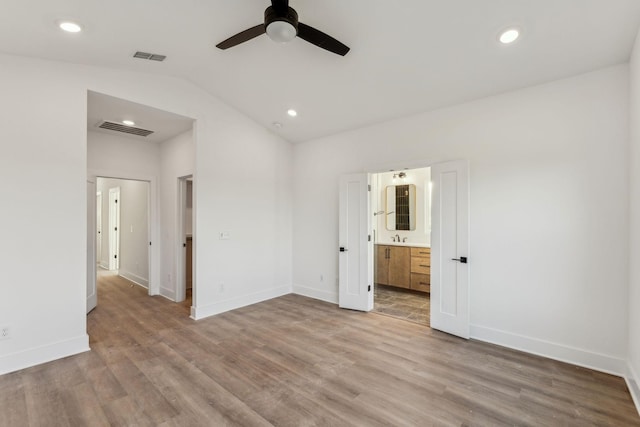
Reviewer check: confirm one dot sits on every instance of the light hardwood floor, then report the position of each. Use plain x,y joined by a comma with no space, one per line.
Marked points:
294,361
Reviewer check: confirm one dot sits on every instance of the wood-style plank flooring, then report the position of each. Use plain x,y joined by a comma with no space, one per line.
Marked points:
402,303
294,361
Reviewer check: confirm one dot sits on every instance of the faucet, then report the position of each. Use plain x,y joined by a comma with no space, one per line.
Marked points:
397,238
404,239
393,239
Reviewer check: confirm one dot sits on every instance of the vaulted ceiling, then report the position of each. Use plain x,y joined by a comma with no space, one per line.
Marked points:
406,57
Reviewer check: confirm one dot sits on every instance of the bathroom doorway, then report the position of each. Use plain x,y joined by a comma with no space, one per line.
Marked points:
401,204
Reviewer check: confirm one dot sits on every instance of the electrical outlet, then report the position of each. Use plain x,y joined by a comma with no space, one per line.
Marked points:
321,278
221,287
5,332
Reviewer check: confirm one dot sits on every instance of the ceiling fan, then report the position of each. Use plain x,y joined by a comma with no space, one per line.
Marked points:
281,25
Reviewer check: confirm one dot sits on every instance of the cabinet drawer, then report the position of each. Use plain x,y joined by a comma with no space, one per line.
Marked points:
421,265
421,252
420,282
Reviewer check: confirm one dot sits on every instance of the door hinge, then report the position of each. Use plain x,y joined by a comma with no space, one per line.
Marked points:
116,200
115,228
369,238
368,187
149,243
369,288
115,256
184,245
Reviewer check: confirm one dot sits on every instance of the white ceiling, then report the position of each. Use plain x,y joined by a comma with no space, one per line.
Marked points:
406,56
165,125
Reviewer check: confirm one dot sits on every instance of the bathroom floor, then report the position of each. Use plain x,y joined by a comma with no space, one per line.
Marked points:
402,303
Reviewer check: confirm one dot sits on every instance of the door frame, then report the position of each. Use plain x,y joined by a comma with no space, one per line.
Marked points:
181,239
399,166
153,206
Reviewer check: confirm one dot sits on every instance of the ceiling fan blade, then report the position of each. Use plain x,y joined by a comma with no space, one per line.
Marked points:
280,6
321,39
242,37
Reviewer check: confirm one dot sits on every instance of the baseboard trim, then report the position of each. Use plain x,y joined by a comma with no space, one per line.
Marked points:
201,312
321,295
43,354
140,281
563,353
632,384
169,294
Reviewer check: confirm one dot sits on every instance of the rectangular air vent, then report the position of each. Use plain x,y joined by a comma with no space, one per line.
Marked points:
118,127
149,56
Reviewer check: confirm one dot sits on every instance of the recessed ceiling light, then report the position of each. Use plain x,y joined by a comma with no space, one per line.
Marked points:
70,27
128,123
509,36
292,112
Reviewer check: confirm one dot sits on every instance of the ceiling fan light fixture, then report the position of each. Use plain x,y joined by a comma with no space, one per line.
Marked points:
281,31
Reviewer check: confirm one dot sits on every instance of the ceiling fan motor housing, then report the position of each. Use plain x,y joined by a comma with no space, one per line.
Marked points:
280,30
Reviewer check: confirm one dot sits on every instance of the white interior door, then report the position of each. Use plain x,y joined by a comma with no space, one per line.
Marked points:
92,295
114,228
356,248
450,248
98,226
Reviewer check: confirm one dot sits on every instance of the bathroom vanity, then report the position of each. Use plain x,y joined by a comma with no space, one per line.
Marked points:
403,266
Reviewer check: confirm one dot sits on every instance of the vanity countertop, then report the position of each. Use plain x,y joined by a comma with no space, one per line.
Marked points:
415,245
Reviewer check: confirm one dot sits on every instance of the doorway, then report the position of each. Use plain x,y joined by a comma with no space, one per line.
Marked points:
445,264
125,251
185,232
401,210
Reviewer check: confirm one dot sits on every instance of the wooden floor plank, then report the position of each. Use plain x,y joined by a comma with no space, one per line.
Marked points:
294,361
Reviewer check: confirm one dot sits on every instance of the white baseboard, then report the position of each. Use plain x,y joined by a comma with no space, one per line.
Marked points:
103,266
43,354
169,294
141,281
575,356
321,295
200,312
632,383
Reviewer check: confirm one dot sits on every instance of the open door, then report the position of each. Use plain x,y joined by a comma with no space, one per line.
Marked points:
355,245
114,228
92,294
450,248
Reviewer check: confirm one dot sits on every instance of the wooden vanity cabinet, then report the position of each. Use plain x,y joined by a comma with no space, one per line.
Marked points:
421,269
393,266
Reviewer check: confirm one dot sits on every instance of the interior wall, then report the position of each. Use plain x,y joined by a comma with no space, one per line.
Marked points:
134,228
177,159
422,233
47,312
548,208
634,215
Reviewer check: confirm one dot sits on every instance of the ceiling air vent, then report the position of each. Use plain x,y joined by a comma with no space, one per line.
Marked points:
149,56
119,127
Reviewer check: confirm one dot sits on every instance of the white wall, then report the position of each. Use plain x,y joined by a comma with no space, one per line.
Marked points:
549,218
634,234
422,233
43,113
134,227
177,159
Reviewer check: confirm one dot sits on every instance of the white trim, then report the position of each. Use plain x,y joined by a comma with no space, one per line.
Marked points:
198,313
43,354
575,356
169,294
318,294
140,281
632,384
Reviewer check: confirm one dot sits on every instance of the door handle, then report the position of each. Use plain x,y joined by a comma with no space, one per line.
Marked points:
462,259
343,249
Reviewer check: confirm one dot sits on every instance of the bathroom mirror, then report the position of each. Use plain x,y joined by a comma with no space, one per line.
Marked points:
401,207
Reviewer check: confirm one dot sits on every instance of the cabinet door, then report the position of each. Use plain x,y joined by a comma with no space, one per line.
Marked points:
382,265
400,267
